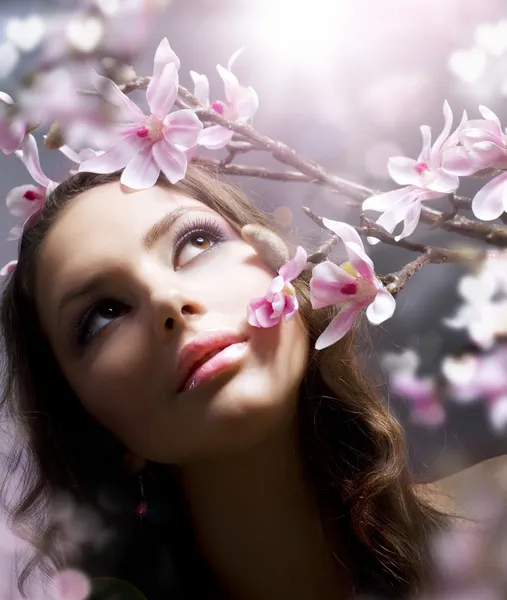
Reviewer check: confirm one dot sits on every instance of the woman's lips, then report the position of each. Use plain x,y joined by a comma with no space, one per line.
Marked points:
217,363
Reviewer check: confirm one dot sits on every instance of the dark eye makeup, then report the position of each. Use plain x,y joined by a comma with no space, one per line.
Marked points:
84,328
192,229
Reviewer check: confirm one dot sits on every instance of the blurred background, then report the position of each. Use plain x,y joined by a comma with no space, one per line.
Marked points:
348,84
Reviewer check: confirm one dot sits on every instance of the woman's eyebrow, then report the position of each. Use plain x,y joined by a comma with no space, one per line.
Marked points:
82,290
161,227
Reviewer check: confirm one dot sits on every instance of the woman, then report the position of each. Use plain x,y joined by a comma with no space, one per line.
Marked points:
272,471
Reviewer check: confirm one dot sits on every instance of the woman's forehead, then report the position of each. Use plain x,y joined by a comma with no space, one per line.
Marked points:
112,201
108,212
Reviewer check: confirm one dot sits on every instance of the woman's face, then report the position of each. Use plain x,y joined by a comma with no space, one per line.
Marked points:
124,282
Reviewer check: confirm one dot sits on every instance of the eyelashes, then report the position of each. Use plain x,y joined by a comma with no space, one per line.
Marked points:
106,310
193,227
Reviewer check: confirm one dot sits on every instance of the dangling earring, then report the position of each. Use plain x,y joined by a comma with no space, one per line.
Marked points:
142,507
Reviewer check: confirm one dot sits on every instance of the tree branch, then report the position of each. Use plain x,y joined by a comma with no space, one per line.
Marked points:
312,172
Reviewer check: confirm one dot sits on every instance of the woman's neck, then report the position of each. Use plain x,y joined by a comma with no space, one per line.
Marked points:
257,524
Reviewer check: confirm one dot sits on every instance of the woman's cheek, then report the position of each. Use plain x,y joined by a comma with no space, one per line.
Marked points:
235,281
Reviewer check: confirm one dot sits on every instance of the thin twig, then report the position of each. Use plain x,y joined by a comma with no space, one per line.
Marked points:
395,282
259,172
495,235
370,228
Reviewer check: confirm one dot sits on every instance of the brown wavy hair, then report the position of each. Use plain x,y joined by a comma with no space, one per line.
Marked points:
353,448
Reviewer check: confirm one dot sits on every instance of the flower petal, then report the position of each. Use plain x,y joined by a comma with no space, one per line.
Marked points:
439,142
234,58
361,262
396,213
410,220
344,231
291,306
453,139
172,162
276,285
489,202
477,289
11,135
487,154
215,137
338,327
444,182
326,284
30,158
384,202
112,93
15,233
116,158
458,161
183,128
8,268
402,170
431,415
490,116
480,131
278,305
425,155
292,269
201,87
16,202
482,333
164,55
259,313
245,103
70,153
231,83
162,91
142,171
382,308
498,413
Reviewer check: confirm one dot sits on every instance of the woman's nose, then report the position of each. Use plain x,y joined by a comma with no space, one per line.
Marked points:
172,309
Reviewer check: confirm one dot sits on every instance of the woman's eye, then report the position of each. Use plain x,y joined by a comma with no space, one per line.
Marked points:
97,317
195,244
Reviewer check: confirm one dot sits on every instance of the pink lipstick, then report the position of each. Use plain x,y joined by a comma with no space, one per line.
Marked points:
207,354
215,364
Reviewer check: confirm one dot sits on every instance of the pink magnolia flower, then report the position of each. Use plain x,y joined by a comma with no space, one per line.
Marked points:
242,104
55,96
483,313
26,201
483,145
475,376
154,143
12,126
353,285
280,299
425,405
420,392
424,178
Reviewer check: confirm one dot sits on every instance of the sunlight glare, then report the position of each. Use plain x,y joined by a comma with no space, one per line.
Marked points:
302,31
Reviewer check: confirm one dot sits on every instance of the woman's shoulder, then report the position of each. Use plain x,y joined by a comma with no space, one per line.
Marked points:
455,494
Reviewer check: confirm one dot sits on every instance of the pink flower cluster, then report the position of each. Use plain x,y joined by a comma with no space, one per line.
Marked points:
474,145
352,287
466,378
143,145
420,391
480,376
